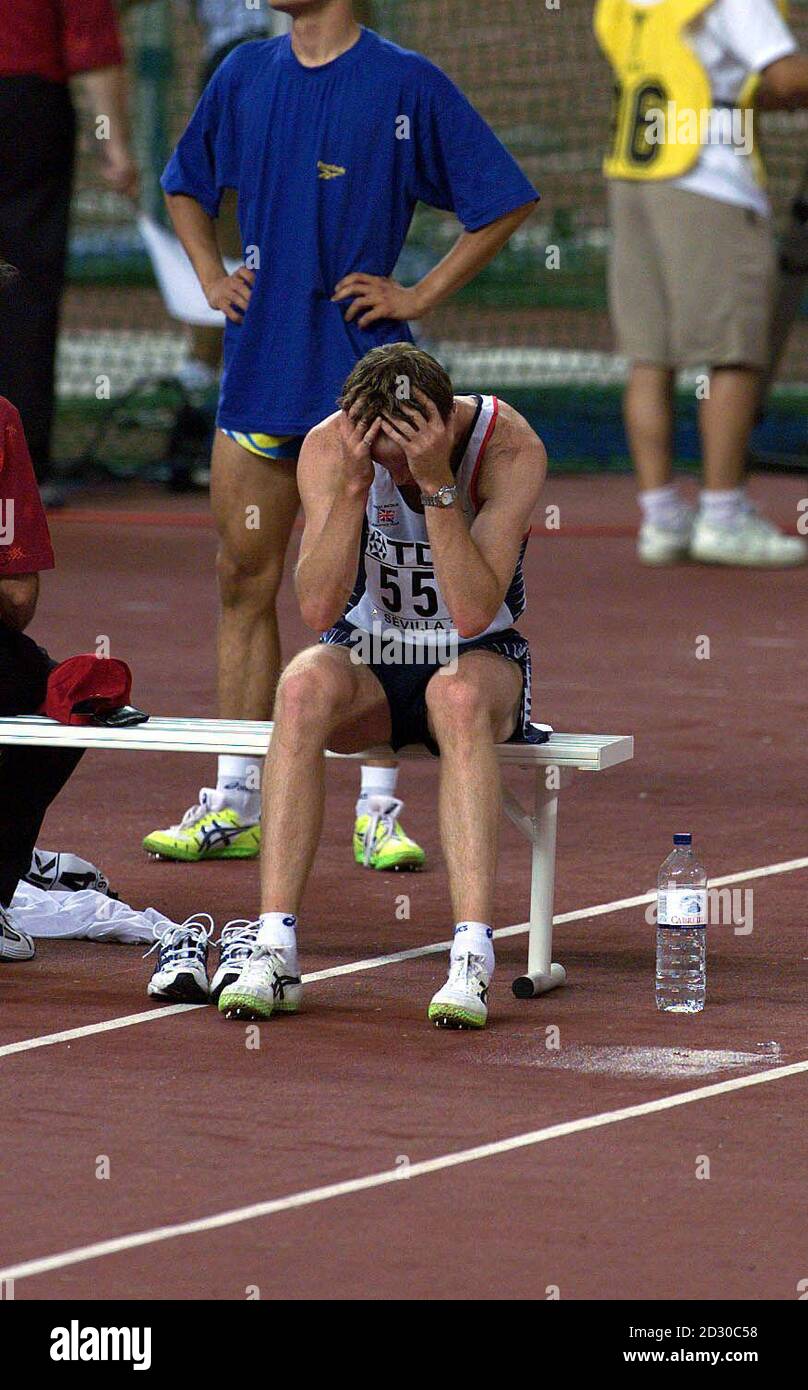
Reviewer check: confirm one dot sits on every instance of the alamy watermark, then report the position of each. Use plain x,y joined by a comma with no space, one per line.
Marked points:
77,1343
6,520
384,646
673,124
726,907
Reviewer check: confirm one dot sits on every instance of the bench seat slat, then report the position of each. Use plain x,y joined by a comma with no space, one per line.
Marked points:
244,737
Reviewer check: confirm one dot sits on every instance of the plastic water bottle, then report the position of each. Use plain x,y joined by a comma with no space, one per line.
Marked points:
681,953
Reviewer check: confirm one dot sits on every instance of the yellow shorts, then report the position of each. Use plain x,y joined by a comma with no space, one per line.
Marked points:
268,446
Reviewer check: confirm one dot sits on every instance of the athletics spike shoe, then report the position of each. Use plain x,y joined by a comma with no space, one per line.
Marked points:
379,841
269,983
14,944
463,1001
181,972
66,873
236,944
210,830
752,542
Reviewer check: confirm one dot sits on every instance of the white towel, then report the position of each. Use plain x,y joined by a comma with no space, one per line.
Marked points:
85,915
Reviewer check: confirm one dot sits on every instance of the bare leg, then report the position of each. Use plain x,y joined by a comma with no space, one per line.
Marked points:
648,412
726,420
324,700
469,712
255,502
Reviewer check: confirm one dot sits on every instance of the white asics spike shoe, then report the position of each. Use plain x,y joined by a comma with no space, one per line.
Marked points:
236,944
463,1001
269,983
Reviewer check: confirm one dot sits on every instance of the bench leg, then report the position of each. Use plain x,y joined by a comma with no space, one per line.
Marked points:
542,974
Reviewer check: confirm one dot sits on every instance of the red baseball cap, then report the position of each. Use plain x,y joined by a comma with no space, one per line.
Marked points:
95,684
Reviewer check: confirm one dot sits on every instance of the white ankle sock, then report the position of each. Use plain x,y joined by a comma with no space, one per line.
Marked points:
477,937
663,506
376,781
238,782
279,929
722,507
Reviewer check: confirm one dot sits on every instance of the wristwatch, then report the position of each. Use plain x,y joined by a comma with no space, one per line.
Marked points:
444,497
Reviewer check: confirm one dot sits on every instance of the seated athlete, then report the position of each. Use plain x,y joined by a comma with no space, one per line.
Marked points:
30,778
429,497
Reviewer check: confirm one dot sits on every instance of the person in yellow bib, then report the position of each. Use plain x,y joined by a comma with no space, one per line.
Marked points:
693,261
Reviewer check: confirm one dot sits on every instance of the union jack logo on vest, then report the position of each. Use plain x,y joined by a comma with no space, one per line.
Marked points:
386,514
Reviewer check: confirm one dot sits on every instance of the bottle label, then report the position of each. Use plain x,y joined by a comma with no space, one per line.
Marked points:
682,907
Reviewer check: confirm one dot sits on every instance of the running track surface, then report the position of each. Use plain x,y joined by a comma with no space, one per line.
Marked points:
194,1122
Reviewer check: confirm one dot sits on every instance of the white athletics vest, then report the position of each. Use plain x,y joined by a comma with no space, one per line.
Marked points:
396,591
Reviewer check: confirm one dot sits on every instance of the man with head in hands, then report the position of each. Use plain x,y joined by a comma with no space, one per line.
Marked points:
330,135
417,510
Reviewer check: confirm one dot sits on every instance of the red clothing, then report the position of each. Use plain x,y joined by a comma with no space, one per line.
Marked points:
55,39
25,545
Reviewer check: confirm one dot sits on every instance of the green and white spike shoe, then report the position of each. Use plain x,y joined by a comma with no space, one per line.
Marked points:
269,983
379,841
463,1000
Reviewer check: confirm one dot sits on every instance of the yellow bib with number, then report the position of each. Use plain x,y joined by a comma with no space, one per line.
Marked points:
662,95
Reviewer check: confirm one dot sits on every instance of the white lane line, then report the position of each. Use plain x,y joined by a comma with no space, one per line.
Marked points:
375,962
600,910
48,1039
310,1196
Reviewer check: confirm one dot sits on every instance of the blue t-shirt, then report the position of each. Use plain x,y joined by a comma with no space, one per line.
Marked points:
328,163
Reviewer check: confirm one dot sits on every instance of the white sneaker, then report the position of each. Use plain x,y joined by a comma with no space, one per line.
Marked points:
751,541
268,983
463,1001
664,545
181,972
236,945
14,944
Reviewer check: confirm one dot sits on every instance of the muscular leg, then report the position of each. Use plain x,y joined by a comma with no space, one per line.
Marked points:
255,502
469,712
324,700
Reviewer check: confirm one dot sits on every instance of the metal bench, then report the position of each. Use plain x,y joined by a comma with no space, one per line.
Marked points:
552,764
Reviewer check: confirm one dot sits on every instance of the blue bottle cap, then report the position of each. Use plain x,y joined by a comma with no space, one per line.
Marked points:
683,839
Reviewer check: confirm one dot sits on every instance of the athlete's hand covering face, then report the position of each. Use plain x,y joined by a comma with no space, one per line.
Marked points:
427,441
356,441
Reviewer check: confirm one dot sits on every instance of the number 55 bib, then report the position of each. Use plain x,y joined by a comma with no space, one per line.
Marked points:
396,589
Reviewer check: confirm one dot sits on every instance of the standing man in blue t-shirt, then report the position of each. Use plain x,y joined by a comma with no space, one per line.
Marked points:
330,136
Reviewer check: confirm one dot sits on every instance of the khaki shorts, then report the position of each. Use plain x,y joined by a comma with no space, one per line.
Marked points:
691,280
